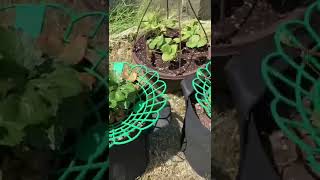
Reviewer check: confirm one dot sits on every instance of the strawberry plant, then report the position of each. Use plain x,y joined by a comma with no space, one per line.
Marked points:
38,95
192,36
122,94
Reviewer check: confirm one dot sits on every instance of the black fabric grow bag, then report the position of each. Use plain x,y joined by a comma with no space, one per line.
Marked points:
248,91
129,161
196,139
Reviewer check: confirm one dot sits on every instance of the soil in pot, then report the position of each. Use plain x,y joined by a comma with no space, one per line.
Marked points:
252,17
202,115
185,63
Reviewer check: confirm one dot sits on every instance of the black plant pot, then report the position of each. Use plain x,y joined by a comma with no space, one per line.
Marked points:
196,139
129,161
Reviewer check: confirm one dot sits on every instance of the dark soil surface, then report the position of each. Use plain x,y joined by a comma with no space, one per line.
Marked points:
188,61
288,160
202,115
251,17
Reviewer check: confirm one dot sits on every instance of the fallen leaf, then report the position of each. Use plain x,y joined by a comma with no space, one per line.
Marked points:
132,77
87,79
50,45
74,52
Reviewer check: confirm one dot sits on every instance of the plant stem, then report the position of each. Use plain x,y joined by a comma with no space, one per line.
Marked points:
198,20
144,13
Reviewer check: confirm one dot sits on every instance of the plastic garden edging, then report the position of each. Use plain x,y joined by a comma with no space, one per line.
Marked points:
301,92
34,29
147,115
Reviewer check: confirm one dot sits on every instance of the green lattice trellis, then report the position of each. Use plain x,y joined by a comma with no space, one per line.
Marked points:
202,85
153,101
30,19
293,91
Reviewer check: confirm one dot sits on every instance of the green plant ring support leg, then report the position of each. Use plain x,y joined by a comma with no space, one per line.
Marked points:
301,92
202,85
34,30
147,114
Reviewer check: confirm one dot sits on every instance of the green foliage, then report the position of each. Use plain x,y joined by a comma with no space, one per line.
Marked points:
167,46
192,35
154,23
122,93
31,99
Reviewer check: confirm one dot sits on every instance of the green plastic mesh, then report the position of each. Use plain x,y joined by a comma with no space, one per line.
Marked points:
202,85
152,95
96,165
297,89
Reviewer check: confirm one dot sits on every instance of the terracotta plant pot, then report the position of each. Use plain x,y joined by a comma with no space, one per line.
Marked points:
173,81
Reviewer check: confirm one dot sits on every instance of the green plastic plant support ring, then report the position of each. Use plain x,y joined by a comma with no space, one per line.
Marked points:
151,100
202,85
304,86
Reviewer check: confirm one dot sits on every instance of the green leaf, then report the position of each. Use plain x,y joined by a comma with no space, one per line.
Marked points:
160,41
32,108
193,41
176,40
202,42
168,40
112,104
119,96
185,37
170,23
174,48
167,57
166,49
153,43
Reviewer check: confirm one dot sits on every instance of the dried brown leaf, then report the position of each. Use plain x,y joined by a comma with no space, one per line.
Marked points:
74,52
